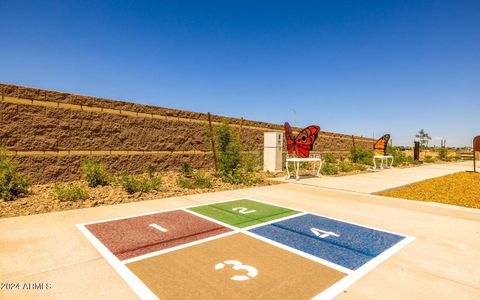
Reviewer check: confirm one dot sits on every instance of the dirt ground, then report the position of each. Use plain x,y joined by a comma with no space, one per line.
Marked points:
461,188
42,200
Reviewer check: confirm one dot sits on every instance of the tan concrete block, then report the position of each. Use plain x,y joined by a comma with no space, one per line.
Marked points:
91,108
111,111
119,152
128,113
80,152
16,100
144,115
30,153
101,152
69,106
158,117
45,103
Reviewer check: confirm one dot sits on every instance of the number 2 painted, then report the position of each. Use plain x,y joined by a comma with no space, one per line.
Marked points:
236,265
243,210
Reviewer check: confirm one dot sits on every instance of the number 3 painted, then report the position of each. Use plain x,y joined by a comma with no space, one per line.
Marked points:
236,265
243,210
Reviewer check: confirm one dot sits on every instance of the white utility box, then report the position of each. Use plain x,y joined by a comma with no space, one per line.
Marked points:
272,151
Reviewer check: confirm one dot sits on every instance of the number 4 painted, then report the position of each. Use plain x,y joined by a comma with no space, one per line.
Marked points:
322,233
243,210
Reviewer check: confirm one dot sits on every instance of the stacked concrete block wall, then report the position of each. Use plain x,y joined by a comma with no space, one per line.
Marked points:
50,133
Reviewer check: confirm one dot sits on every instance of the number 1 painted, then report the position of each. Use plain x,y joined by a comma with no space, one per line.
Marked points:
158,227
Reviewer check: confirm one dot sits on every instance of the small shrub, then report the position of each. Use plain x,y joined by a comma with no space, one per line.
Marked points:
329,169
95,173
242,177
229,151
359,167
250,162
139,183
12,184
429,159
346,166
151,170
399,157
443,153
329,158
199,180
187,170
70,192
362,156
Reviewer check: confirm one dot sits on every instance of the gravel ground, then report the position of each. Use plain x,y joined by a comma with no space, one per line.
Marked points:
42,200
461,189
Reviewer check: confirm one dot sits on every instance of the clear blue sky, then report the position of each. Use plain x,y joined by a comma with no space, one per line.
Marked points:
361,67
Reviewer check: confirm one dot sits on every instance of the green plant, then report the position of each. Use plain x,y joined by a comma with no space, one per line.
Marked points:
423,138
399,157
362,156
95,173
429,159
250,162
329,169
151,170
443,153
242,177
187,169
329,158
139,183
229,151
346,166
199,180
359,167
12,184
70,192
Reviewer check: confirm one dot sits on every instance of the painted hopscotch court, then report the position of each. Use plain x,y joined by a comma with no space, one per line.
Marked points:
240,249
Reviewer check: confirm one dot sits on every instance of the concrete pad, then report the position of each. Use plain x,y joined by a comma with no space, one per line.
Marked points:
135,236
344,244
243,213
206,271
382,180
442,262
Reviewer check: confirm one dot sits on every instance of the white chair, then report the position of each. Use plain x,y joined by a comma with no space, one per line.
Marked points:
382,159
313,158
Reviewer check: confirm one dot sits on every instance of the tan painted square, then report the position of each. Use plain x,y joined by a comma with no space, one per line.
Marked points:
190,273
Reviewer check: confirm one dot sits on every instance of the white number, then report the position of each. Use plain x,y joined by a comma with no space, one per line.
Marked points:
243,210
236,265
158,227
322,233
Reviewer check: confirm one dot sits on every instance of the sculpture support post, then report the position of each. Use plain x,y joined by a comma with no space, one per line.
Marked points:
476,147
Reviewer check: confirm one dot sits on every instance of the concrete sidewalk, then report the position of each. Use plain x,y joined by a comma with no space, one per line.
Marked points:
442,263
383,180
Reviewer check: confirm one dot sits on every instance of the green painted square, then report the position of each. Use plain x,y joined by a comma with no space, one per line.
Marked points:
243,213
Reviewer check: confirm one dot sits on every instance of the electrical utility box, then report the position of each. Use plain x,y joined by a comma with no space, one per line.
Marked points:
272,151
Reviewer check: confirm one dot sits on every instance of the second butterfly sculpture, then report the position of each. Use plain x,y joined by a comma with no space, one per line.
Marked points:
303,142
380,146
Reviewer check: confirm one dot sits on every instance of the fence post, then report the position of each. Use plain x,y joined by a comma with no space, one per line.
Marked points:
416,151
212,139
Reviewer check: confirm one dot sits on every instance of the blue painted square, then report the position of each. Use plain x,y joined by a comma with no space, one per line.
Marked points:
344,244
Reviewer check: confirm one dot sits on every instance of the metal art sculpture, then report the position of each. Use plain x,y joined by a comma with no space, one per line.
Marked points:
303,142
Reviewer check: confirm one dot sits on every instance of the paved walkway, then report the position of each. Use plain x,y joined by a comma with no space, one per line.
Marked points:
443,262
382,180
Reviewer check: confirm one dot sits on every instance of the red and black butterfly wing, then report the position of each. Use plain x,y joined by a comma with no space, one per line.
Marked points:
305,140
289,138
380,146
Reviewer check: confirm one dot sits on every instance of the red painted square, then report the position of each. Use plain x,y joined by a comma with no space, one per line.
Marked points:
131,237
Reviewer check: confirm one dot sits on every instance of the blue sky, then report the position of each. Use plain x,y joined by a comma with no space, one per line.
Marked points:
356,67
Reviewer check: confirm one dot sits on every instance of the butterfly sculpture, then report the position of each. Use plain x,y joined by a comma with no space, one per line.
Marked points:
303,142
380,146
